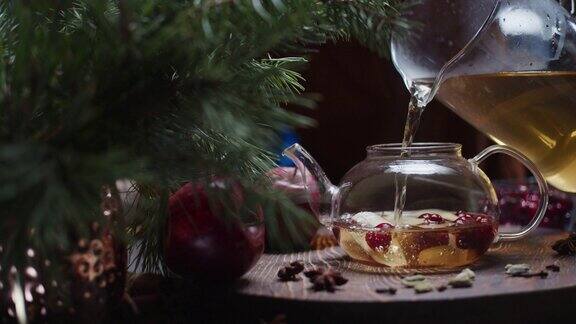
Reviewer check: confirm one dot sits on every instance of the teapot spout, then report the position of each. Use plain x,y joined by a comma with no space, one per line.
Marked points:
323,198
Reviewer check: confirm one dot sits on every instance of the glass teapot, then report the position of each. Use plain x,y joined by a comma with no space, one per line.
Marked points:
451,213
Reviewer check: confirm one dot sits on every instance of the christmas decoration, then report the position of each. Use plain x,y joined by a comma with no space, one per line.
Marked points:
93,280
202,244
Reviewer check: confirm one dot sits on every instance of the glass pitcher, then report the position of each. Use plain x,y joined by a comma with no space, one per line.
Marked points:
451,213
510,71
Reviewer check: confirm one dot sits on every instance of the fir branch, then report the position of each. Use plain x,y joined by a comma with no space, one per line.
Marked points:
154,91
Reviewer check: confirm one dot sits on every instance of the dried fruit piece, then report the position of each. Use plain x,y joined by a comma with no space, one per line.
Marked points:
393,256
413,243
368,219
430,218
410,217
440,255
349,242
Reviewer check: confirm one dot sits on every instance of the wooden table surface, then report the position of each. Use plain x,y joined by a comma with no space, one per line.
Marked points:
490,280
260,298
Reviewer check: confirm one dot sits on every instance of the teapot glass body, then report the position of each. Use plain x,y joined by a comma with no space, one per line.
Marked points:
450,215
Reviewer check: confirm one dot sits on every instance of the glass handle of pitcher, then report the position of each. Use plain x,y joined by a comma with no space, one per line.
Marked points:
542,187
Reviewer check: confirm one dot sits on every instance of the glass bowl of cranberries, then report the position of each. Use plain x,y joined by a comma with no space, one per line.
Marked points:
419,207
518,201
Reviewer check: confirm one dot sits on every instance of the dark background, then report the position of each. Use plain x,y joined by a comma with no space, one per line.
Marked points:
364,102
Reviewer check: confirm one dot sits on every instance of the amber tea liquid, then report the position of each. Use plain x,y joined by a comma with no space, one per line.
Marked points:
534,112
450,244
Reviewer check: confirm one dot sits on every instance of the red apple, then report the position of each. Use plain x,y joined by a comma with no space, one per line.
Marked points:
203,244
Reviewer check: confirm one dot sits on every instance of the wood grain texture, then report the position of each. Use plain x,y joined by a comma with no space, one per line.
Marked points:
260,298
491,281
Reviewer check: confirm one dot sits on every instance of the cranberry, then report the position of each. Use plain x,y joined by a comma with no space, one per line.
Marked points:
519,203
432,218
477,237
380,240
462,213
483,219
464,219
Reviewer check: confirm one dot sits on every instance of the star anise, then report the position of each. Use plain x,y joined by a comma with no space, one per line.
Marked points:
566,246
325,279
288,273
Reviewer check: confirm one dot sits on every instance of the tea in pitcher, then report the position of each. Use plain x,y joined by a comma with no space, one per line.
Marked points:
534,112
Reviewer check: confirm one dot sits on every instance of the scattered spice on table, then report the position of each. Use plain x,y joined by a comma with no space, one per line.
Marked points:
387,290
566,246
553,267
517,269
325,279
419,283
289,272
465,279
523,270
423,287
411,281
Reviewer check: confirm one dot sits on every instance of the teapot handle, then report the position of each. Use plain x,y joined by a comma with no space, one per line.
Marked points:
542,187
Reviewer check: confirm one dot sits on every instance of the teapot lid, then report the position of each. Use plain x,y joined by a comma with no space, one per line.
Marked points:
416,149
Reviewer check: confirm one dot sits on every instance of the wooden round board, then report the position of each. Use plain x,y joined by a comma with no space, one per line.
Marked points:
491,280
260,298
